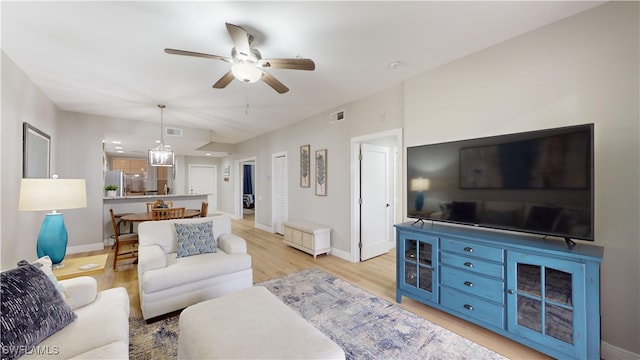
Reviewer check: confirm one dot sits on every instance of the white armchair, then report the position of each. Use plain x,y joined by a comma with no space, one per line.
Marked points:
168,283
101,329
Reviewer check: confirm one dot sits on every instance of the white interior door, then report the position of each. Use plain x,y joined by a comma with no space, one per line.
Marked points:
202,180
279,192
375,203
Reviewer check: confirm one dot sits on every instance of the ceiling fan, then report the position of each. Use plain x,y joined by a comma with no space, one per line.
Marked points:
247,64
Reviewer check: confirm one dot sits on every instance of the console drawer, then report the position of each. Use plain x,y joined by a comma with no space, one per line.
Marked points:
472,307
486,288
473,265
471,249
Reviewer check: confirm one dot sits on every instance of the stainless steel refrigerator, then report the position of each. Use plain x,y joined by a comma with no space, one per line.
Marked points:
116,177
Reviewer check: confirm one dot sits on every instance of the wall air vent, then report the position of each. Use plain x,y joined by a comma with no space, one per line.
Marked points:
335,117
173,131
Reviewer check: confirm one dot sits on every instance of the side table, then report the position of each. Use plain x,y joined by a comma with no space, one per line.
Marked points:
71,266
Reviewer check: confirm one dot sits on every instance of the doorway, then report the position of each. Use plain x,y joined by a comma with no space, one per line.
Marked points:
247,206
375,190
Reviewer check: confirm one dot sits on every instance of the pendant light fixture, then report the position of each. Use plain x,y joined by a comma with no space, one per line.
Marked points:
161,156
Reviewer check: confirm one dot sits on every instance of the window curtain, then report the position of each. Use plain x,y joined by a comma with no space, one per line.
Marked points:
248,183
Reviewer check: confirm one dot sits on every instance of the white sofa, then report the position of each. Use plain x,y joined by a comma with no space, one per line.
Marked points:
101,329
168,283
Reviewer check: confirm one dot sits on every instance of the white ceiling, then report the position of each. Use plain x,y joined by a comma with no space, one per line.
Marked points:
107,58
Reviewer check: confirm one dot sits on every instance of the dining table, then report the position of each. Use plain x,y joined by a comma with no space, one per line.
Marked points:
148,216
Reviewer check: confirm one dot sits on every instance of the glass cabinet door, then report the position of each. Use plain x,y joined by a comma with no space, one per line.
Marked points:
418,265
541,300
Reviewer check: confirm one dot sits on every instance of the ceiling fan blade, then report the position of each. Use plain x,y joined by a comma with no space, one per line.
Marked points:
274,83
225,80
294,64
196,54
240,39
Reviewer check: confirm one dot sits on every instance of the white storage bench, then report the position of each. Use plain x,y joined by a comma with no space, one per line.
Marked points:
311,238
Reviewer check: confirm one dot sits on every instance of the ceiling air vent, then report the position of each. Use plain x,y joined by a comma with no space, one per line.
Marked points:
336,117
173,131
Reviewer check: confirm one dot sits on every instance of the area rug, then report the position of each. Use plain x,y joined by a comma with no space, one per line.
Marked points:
362,324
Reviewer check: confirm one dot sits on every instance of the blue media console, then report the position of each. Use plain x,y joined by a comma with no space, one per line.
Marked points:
533,290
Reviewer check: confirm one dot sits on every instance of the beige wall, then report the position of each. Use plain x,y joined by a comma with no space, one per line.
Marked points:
579,70
21,101
362,117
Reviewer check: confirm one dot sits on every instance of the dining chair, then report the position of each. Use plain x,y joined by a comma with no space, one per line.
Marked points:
125,244
167,213
151,205
204,208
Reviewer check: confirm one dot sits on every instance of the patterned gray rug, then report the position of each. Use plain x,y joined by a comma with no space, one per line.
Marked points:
365,326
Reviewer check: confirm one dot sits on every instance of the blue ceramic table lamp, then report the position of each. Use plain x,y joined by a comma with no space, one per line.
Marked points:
419,185
52,194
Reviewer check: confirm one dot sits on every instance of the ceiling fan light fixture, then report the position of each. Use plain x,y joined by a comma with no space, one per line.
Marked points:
246,73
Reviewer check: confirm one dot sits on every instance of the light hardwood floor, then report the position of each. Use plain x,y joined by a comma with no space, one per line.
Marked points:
271,258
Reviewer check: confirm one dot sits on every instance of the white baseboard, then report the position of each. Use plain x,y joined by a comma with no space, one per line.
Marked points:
85,248
265,228
341,254
610,352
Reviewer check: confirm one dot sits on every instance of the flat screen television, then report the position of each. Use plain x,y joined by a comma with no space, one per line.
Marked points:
537,182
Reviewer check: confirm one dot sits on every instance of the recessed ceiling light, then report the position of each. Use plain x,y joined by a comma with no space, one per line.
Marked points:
120,152
394,65
118,147
116,142
208,154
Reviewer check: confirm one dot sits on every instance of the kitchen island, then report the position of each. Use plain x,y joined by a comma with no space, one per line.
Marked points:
138,203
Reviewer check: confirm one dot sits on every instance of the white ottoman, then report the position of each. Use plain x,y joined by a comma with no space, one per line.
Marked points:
250,324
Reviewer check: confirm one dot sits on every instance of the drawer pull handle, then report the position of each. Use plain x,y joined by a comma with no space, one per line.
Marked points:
468,307
468,249
468,283
468,264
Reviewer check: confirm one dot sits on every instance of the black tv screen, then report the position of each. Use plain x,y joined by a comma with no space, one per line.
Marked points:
537,182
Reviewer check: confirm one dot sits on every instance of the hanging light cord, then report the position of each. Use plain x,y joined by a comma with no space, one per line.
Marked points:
161,125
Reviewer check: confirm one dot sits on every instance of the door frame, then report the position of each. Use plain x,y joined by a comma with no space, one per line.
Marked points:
396,177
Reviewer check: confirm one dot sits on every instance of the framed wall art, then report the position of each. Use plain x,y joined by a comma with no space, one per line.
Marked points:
321,172
36,152
305,166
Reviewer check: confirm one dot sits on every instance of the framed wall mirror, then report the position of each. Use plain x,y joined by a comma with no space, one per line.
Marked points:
36,152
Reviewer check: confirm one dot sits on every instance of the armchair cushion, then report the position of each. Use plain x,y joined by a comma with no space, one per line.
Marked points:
232,244
181,271
32,309
45,264
195,239
81,291
150,258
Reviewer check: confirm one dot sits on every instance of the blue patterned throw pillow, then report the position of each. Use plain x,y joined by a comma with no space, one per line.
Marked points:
32,310
196,238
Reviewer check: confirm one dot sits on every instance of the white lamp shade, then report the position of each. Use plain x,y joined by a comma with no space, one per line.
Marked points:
52,194
419,184
246,72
